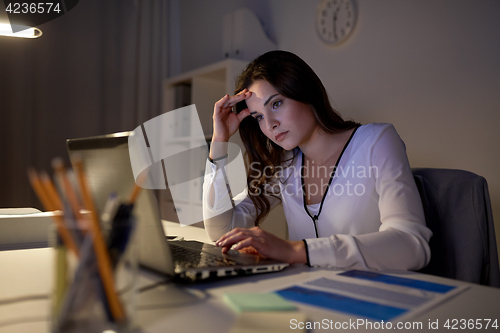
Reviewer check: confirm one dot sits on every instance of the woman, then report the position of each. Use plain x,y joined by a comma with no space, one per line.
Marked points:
347,189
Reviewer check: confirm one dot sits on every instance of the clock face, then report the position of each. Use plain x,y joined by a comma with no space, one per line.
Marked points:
335,20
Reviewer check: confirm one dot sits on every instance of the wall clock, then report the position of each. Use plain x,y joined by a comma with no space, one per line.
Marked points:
335,20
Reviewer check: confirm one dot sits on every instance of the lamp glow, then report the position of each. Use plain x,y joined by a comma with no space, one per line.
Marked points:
28,32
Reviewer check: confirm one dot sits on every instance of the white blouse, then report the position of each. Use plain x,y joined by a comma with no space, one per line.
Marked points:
372,215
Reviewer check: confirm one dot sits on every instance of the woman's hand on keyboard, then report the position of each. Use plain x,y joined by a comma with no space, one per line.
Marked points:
263,243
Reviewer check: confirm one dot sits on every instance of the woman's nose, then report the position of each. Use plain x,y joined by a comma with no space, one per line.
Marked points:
271,123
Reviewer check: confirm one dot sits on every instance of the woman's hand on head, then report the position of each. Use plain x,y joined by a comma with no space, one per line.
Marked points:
225,121
258,241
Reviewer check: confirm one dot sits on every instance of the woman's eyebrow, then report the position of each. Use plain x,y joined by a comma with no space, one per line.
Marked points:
269,99
265,103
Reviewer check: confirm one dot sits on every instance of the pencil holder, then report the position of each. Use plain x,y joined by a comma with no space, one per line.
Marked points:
95,288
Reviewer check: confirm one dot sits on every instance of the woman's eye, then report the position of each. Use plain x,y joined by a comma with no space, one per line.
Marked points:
258,117
276,104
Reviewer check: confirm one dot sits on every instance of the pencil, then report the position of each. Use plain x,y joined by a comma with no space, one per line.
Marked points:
51,191
103,259
50,203
137,189
58,166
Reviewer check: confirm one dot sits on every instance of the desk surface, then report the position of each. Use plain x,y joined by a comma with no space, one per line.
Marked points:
199,308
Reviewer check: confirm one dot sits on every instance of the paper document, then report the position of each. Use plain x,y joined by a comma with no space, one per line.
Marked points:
371,295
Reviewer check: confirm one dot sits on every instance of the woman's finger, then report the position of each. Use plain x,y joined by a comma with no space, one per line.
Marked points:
229,234
235,238
243,114
244,94
220,102
244,238
238,231
250,241
264,243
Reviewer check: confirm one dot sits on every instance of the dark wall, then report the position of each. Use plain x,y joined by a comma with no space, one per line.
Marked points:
76,80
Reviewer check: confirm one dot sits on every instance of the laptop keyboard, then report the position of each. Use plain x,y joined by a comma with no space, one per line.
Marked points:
188,258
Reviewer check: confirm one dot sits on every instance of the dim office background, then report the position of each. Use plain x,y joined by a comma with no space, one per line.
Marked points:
430,67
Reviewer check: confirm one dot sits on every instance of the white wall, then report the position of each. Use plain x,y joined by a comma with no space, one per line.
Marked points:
430,67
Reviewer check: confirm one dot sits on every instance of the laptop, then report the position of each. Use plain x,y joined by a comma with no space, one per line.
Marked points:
108,169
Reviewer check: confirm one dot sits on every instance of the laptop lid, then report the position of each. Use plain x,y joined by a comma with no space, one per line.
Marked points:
108,169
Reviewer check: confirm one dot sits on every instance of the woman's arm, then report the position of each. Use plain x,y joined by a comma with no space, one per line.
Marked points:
388,249
222,212
217,199
225,123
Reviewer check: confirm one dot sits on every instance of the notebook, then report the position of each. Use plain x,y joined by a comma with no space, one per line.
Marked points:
108,169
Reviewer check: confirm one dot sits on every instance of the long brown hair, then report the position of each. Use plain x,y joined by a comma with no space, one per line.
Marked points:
293,78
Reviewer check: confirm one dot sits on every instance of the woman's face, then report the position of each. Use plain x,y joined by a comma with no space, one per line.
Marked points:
287,122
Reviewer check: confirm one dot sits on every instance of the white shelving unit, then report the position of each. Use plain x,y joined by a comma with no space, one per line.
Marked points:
207,85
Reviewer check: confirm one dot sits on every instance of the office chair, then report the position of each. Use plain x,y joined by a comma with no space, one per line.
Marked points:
458,211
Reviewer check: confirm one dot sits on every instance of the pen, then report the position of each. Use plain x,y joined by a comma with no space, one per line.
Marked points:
102,255
109,212
121,231
78,293
123,225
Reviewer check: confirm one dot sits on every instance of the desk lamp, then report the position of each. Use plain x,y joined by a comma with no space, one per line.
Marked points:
26,32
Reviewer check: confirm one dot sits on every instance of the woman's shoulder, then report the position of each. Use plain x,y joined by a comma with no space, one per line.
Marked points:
370,134
376,128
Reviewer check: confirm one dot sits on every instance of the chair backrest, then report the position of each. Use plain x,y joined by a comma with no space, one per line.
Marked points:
458,211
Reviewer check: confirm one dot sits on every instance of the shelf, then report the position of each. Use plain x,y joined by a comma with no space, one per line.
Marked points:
205,86
220,71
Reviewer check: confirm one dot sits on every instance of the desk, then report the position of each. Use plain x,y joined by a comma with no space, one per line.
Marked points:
199,308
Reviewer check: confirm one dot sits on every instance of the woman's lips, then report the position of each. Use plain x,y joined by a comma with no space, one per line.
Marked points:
280,136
